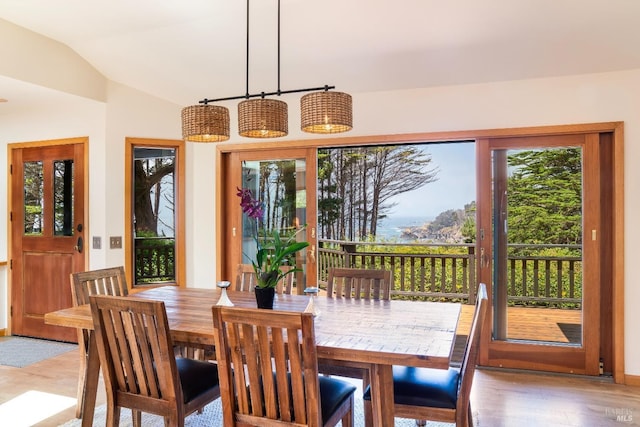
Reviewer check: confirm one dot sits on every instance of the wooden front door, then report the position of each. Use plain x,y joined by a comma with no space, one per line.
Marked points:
47,214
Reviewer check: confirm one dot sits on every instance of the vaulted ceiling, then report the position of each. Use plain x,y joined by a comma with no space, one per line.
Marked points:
186,50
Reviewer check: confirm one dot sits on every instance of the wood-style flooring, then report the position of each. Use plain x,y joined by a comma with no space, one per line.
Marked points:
499,398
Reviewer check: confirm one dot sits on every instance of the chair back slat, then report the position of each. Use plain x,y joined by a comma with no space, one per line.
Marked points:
246,279
106,281
470,356
268,369
359,283
135,348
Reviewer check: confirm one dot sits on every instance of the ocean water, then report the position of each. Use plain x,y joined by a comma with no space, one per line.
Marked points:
391,228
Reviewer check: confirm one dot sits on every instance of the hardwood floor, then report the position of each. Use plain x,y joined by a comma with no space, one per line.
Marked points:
57,375
502,398
499,398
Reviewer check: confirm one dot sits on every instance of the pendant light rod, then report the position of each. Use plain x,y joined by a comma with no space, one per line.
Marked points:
247,73
263,94
278,47
278,92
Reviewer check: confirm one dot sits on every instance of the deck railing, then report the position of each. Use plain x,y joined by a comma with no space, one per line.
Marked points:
154,260
448,271
545,275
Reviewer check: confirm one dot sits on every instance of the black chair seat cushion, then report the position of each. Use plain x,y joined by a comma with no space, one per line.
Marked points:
437,388
333,393
196,377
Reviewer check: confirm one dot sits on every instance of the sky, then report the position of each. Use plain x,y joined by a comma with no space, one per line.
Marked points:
455,187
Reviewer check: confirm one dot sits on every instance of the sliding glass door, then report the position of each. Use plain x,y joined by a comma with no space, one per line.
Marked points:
284,183
539,240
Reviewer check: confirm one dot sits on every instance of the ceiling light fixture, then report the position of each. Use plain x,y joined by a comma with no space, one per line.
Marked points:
321,112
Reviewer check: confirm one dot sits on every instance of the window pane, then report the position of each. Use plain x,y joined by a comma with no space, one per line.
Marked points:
154,215
63,197
33,198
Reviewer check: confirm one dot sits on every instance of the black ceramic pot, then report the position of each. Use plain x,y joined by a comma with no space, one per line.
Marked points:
264,297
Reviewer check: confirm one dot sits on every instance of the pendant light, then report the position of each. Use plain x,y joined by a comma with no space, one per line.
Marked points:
326,112
205,123
321,112
263,118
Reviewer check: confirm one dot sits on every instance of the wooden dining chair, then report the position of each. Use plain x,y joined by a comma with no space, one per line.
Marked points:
359,283
106,281
438,394
246,279
268,367
111,281
138,364
356,283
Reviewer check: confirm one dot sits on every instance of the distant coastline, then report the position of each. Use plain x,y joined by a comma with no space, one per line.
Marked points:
392,228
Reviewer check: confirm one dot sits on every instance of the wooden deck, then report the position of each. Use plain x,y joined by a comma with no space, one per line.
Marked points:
529,324
535,324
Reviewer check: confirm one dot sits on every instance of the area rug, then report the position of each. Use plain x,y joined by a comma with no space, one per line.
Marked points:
20,351
212,417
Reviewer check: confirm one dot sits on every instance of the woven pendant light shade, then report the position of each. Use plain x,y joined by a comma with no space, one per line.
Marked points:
205,123
263,118
326,112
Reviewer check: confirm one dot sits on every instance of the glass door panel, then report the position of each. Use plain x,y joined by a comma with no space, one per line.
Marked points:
280,185
537,245
540,251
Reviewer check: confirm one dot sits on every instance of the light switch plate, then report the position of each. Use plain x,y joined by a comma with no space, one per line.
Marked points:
97,242
115,242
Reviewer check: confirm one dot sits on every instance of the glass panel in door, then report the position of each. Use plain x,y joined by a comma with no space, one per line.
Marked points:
33,198
63,197
537,245
280,186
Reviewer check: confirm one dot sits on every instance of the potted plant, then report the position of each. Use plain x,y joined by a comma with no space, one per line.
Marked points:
272,251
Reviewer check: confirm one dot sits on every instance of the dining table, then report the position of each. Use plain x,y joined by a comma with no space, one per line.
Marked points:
372,334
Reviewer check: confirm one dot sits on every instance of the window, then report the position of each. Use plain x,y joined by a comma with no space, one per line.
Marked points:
154,213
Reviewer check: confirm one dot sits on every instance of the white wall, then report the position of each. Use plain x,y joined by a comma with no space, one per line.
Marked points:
538,102
552,101
128,113
76,118
34,58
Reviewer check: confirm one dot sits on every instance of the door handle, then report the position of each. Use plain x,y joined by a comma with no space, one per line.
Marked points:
79,245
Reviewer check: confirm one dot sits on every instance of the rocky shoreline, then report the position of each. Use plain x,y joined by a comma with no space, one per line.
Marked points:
426,233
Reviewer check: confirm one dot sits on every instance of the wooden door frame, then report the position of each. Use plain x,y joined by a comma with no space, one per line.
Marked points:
228,165
503,352
617,196
86,225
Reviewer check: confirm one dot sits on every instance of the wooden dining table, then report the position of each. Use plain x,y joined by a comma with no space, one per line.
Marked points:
374,335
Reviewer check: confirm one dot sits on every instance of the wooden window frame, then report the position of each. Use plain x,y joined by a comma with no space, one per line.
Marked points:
179,176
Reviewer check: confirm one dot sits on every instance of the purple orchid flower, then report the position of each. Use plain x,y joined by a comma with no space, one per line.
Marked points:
252,207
